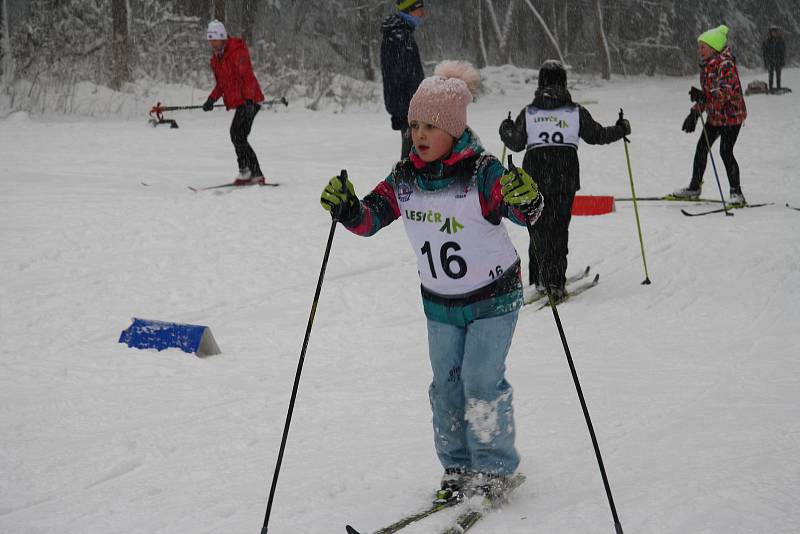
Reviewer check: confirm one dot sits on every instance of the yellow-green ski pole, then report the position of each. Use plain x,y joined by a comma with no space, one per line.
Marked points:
635,205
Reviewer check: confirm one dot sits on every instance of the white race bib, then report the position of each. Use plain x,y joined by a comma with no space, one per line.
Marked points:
553,127
458,250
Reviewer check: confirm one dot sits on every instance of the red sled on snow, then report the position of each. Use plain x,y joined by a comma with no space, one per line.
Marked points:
592,205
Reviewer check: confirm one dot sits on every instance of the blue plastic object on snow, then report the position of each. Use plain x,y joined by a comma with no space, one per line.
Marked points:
160,335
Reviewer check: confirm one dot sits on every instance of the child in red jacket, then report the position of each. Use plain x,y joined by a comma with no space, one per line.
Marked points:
722,99
239,89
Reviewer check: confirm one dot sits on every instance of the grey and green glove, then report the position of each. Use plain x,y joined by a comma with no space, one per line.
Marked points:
339,198
520,191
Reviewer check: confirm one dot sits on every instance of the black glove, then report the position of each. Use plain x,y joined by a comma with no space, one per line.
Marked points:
209,105
507,129
625,125
399,123
697,95
690,122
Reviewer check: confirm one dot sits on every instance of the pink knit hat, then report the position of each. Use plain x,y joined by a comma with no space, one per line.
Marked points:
442,99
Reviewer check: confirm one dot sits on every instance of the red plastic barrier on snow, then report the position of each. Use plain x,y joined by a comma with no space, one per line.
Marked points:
592,205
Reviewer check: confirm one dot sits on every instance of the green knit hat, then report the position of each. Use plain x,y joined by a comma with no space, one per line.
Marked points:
716,38
409,5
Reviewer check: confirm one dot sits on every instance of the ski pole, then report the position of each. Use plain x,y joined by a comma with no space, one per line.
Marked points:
503,157
617,524
635,204
714,166
158,108
334,219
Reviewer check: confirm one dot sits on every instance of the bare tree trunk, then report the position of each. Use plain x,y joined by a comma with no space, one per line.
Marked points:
565,40
6,54
546,30
502,34
365,38
249,15
120,71
484,56
219,10
197,8
602,42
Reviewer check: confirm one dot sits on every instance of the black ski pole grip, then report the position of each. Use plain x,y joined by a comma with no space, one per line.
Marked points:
622,116
337,212
511,166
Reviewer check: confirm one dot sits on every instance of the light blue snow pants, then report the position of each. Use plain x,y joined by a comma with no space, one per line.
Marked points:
473,420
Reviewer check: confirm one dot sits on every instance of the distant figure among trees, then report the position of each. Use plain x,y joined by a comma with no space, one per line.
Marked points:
774,51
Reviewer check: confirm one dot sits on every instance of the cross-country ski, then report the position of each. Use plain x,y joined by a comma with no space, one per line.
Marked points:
232,185
727,208
533,294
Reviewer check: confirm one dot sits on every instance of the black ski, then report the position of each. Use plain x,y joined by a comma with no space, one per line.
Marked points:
574,292
467,519
668,198
443,501
792,207
536,295
231,185
720,210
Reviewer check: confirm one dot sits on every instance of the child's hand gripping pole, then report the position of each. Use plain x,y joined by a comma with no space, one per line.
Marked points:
339,198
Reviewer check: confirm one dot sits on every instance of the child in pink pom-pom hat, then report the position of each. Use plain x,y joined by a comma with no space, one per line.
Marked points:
452,197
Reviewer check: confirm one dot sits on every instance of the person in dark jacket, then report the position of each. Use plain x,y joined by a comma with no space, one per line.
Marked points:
237,85
774,51
550,128
401,66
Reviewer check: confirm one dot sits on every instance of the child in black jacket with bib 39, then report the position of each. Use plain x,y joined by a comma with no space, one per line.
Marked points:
549,130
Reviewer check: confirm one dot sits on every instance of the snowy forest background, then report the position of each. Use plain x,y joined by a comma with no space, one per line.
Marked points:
319,50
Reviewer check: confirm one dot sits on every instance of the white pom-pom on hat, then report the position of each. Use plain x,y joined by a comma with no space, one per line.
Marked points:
463,70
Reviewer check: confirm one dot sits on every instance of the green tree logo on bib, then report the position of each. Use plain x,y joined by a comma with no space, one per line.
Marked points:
451,226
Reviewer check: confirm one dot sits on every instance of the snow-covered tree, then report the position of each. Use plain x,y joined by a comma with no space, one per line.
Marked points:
6,53
120,72
168,46
307,44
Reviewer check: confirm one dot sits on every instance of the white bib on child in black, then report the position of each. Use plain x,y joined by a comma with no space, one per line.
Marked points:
553,127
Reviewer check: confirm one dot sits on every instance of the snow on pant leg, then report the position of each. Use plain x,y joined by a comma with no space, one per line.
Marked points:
551,238
240,129
446,393
726,143
701,155
489,413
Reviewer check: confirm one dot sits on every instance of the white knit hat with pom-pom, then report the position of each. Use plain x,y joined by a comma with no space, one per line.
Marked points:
216,31
442,99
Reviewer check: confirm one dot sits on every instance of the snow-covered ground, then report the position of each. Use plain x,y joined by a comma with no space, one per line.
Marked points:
693,382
